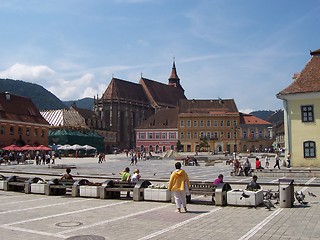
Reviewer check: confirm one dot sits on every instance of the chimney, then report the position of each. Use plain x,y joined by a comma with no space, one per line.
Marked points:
8,96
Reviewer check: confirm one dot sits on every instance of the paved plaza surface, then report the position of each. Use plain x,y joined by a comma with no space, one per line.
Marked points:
31,216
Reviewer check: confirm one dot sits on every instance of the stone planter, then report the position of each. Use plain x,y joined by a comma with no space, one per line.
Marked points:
90,191
162,195
37,188
234,197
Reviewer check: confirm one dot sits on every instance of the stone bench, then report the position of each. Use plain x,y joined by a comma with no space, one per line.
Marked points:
58,186
239,197
112,189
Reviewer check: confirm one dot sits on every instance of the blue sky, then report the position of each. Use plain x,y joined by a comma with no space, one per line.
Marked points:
246,50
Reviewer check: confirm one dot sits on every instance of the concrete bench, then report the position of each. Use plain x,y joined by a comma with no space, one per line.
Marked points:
239,197
85,188
112,189
58,186
201,188
2,179
15,183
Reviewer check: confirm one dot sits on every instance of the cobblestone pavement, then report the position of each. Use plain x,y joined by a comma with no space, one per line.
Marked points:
31,216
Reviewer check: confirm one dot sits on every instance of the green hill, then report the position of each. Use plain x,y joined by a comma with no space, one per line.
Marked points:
41,97
85,103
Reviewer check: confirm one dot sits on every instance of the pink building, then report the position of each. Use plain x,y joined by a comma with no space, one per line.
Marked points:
158,133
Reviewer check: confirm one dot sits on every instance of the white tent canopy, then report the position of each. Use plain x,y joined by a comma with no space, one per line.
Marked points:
76,147
88,147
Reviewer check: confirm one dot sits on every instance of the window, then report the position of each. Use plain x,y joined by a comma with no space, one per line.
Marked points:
157,135
28,131
208,135
182,135
172,135
235,123
307,113
35,132
2,131
244,134
309,149
215,135
215,123
188,123
163,135
188,135
228,135
201,123
11,130
19,131
228,123
208,123
202,135
42,133
195,123
195,135
150,135
221,123
142,135
182,123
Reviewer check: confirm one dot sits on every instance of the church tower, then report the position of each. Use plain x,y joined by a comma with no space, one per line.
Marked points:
174,80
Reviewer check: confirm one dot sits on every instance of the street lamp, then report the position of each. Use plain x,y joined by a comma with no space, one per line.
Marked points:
235,129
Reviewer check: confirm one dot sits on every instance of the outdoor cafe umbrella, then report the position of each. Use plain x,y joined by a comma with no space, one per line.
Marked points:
76,147
64,147
27,148
12,147
88,147
43,148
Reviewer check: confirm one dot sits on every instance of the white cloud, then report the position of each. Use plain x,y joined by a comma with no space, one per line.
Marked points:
28,73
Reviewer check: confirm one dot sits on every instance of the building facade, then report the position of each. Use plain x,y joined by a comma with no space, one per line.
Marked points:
209,125
256,134
301,101
21,122
158,133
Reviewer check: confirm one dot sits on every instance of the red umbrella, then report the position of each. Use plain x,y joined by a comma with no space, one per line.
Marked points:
12,147
42,148
27,147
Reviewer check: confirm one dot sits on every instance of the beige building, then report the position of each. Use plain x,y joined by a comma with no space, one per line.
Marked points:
301,101
209,125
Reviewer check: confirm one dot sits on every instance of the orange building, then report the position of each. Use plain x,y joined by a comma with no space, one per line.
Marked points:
21,122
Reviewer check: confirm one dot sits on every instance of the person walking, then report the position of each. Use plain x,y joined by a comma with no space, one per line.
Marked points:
288,160
179,184
277,159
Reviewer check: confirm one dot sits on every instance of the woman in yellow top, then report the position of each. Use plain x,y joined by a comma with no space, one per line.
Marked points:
179,184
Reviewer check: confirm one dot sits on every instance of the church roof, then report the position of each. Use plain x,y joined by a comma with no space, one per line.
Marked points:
309,78
19,109
122,90
160,94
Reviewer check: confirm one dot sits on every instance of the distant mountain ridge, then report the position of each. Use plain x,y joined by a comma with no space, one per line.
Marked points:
41,97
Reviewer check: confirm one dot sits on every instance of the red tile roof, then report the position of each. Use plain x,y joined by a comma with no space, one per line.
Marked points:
309,78
19,109
250,119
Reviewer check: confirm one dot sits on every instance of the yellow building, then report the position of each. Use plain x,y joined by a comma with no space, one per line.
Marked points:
209,125
302,114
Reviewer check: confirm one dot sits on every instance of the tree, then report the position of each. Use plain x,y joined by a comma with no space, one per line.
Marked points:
179,146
